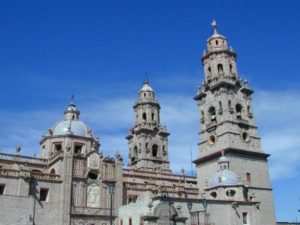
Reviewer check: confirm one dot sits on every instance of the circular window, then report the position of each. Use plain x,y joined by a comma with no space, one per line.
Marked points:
246,136
212,139
213,194
92,175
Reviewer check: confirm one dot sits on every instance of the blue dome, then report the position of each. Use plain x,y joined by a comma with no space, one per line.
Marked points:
224,177
75,127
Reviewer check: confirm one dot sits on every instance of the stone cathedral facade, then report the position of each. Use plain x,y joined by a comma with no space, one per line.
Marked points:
68,183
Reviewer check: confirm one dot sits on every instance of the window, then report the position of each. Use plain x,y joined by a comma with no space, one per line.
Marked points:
77,149
121,222
44,194
57,146
52,172
212,113
92,175
213,194
248,177
212,139
132,198
154,150
220,107
144,116
220,68
246,136
230,193
2,189
245,218
130,221
209,72
152,116
238,109
217,42
230,68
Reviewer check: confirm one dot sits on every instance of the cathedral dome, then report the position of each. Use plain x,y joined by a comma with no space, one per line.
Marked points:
75,127
71,124
224,177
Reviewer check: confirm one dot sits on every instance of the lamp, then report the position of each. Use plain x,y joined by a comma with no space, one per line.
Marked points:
204,203
111,187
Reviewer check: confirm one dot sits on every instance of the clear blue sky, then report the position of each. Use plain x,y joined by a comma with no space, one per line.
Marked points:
99,50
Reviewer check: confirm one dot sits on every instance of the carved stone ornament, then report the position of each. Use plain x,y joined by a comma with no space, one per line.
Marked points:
93,160
93,196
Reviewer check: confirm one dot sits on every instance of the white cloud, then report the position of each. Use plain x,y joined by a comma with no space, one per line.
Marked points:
276,114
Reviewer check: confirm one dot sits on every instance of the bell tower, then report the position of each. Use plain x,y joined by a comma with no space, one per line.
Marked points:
148,139
227,124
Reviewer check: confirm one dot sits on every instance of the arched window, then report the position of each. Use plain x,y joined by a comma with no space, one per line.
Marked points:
130,221
152,116
154,150
217,42
209,71
52,172
220,107
93,175
144,116
238,109
135,150
220,69
212,113
230,68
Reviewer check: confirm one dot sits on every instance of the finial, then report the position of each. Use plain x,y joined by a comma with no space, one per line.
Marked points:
214,25
146,81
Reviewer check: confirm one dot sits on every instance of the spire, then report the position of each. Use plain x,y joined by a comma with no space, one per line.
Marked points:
146,81
214,25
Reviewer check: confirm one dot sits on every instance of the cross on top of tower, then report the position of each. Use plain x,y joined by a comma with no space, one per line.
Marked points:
214,25
146,81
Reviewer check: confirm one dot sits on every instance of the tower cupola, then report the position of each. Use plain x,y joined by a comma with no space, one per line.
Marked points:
216,41
146,92
218,59
72,112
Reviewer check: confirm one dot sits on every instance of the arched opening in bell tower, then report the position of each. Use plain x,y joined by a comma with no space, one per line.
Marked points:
145,116
238,109
212,113
154,150
220,69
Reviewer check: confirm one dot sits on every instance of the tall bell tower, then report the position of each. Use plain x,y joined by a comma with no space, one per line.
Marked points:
228,126
148,139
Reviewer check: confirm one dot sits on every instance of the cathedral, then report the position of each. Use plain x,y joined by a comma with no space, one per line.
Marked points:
73,183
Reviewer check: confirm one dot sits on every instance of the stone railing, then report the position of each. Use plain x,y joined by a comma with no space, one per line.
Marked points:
20,158
77,210
157,174
45,176
22,173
